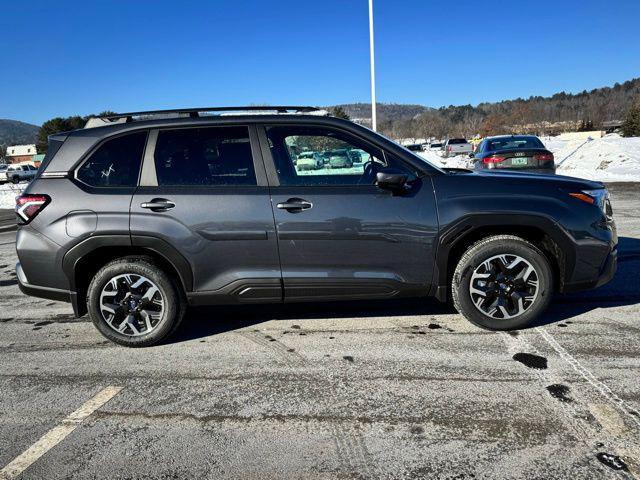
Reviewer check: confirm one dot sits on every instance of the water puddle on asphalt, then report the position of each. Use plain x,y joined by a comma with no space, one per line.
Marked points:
561,392
612,461
531,361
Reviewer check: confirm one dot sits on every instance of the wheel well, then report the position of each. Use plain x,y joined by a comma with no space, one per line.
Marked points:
89,265
535,235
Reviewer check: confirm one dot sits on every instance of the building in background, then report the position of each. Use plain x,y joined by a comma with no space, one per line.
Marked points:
37,160
20,153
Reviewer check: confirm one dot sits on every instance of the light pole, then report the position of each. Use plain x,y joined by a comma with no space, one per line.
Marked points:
373,68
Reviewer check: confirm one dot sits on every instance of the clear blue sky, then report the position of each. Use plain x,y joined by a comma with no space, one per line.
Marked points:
79,57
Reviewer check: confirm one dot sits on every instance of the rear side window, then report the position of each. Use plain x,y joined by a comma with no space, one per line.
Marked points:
116,163
204,156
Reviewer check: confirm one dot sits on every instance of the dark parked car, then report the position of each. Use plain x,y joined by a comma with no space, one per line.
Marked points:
137,219
514,152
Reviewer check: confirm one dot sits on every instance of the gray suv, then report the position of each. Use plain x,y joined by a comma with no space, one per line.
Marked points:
145,213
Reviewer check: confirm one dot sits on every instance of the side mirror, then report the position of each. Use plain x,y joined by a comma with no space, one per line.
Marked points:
394,182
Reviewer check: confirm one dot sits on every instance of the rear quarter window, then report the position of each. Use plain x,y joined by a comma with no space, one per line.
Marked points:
115,163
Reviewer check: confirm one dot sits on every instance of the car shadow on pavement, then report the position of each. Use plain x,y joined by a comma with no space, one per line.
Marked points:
622,290
207,321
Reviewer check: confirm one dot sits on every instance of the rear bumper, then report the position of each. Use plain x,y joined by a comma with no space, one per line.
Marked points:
57,294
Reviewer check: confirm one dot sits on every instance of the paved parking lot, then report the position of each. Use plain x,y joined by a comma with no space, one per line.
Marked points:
403,389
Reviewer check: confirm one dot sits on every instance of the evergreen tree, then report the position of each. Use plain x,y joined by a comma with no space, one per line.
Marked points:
59,124
339,112
631,125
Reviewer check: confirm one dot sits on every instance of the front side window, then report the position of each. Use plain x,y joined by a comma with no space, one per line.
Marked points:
204,157
309,156
116,163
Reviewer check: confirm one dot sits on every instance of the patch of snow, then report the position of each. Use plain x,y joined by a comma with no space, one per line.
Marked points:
9,192
611,158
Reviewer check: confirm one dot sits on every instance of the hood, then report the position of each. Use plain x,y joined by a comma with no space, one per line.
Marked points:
529,179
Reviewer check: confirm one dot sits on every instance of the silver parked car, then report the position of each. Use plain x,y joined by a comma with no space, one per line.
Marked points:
18,173
457,146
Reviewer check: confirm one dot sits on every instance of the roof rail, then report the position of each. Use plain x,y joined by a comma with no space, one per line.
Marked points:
195,112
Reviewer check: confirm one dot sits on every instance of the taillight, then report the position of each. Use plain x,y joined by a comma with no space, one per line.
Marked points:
449,148
493,159
28,206
544,157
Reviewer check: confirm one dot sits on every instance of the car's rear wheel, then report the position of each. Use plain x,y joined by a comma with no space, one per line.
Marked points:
502,282
134,303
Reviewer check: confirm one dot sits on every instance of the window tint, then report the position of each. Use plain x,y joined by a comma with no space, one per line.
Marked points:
116,163
455,141
318,156
204,156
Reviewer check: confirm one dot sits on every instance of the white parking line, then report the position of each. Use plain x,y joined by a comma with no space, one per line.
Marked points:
57,434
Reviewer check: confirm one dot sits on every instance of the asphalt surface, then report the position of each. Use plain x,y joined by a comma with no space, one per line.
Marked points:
403,389
7,220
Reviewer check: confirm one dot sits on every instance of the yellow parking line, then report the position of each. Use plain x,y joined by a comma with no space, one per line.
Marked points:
57,434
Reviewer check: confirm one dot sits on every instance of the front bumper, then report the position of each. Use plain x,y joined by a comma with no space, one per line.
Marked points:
606,274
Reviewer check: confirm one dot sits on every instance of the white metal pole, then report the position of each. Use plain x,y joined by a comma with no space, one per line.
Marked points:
373,68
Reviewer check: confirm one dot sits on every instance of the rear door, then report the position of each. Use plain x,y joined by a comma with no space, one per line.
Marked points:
339,235
203,197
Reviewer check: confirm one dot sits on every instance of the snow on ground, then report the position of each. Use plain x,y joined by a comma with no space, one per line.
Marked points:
611,158
8,194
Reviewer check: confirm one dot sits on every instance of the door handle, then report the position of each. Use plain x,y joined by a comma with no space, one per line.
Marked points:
294,205
158,204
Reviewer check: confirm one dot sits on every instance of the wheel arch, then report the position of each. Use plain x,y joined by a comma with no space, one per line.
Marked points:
82,261
542,231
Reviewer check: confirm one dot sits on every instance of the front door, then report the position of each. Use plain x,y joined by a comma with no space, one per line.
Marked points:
203,193
340,236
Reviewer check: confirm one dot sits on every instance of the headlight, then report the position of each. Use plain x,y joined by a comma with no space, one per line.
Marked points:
597,197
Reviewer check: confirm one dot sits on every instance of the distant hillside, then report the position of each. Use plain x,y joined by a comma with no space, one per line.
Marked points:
536,114
390,111
13,132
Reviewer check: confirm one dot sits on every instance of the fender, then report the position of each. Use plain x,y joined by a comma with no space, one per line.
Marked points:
457,231
158,246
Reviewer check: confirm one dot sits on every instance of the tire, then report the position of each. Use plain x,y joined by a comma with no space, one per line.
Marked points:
164,309
15,180
485,265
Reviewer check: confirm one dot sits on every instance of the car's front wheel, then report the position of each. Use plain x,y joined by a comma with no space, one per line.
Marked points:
134,303
502,282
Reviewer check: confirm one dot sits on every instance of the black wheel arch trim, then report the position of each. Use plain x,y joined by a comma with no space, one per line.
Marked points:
153,244
457,231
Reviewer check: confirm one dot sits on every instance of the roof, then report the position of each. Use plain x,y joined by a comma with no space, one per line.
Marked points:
510,136
200,112
21,150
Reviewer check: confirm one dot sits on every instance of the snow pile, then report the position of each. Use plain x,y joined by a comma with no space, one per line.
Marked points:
434,156
8,194
611,158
